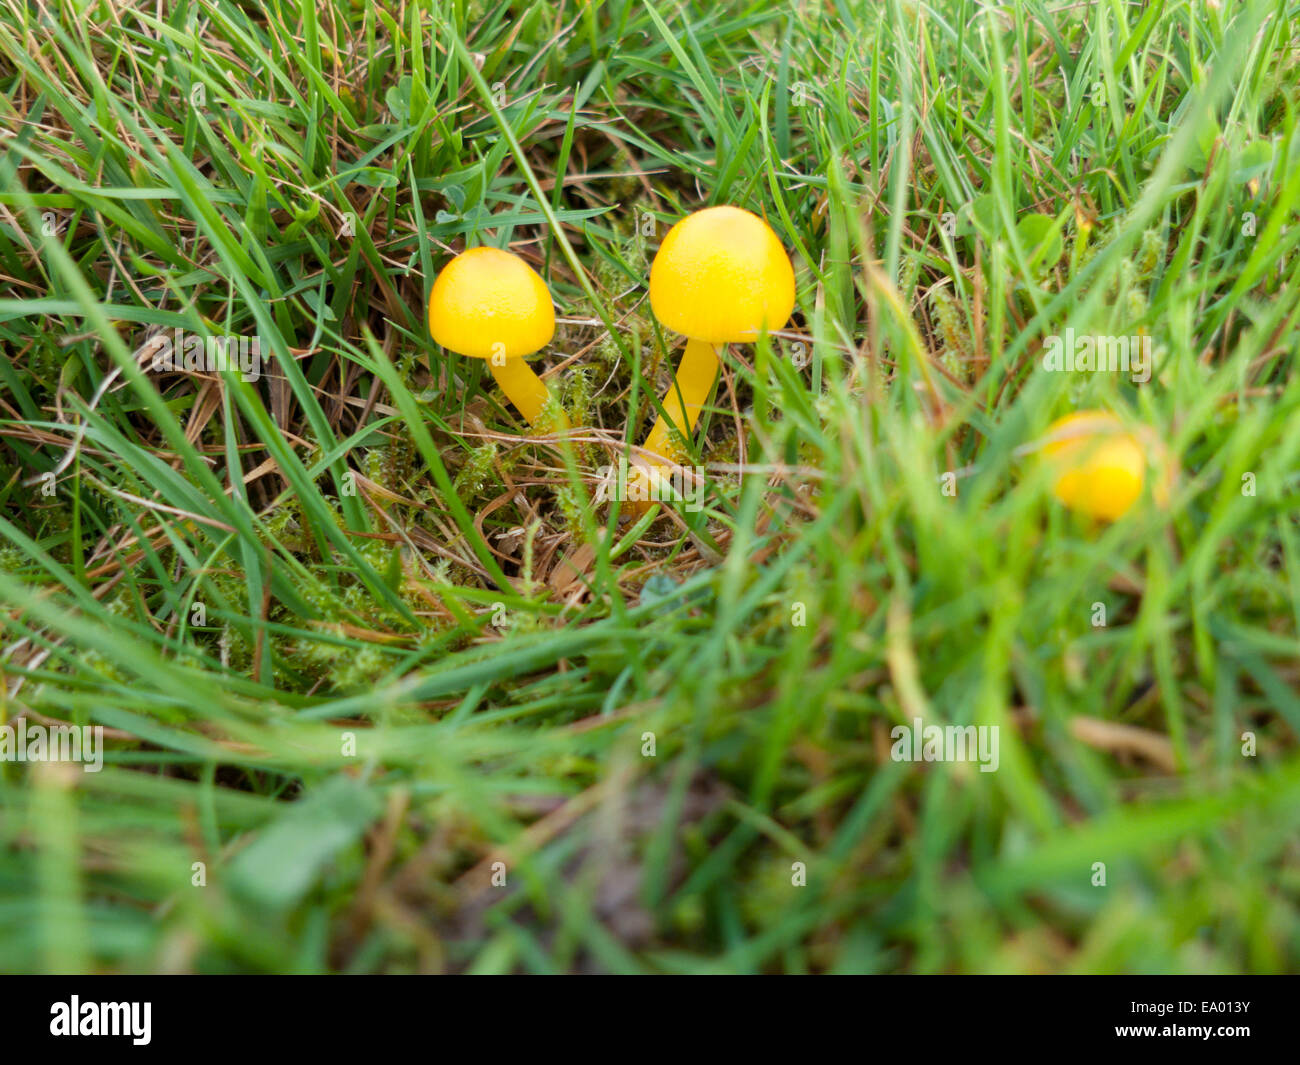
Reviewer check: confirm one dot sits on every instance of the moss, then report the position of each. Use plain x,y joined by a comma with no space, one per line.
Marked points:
477,473
571,508
954,332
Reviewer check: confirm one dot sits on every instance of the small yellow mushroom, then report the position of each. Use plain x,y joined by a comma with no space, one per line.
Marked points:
489,304
1098,466
720,277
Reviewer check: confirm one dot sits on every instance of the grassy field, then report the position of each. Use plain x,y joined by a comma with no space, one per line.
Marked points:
385,683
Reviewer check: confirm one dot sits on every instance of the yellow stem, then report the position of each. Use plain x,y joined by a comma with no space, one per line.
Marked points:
696,374
523,388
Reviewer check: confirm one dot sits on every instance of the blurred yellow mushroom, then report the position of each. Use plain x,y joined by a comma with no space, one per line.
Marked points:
1099,466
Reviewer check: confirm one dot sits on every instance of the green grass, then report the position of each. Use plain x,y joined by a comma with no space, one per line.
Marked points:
325,615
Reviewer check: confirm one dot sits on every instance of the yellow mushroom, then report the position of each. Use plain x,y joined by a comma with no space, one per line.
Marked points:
720,277
489,304
1098,466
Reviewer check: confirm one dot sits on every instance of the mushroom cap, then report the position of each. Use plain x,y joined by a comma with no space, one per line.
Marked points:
721,276
1098,465
487,301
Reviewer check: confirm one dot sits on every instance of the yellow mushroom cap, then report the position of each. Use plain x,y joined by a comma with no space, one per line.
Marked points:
1099,466
721,276
487,302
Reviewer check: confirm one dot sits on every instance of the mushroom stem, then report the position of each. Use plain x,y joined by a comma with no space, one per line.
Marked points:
522,387
690,390
685,399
